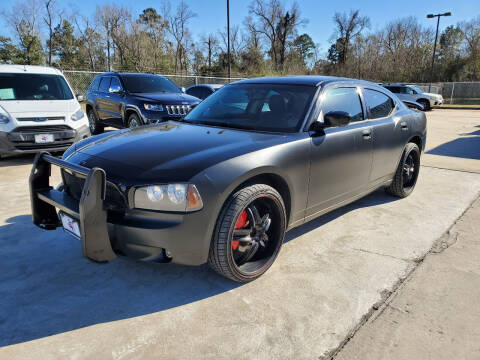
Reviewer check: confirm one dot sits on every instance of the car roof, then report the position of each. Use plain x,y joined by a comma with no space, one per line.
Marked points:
129,74
29,69
213,86
312,80
394,84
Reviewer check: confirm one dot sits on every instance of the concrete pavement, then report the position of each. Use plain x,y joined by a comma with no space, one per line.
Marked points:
435,314
330,275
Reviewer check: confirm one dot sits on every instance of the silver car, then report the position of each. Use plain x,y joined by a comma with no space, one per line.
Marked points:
413,93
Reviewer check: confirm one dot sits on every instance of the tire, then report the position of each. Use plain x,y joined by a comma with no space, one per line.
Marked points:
425,104
133,121
93,124
243,261
405,180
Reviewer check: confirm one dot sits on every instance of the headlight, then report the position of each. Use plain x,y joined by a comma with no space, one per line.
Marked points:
4,116
77,115
169,197
153,107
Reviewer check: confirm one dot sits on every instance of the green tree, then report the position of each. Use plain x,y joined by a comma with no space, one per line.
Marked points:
304,46
65,45
8,52
31,50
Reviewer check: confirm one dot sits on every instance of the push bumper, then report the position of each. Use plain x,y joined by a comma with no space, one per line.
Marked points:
139,234
89,211
22,140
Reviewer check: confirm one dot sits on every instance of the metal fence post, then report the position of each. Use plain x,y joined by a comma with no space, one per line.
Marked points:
451,94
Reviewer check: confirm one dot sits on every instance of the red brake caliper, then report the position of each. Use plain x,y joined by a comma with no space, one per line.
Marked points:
240,224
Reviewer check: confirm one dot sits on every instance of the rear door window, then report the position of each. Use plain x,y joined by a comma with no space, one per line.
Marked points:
115,82
343,99
105,84
94,85
378,104
195,91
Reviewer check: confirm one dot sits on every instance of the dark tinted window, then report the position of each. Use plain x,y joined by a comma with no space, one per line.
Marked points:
394,89
195,91
33,87
206,92
94,85
343,99
105,84
115,82
379,104
263,107
148,84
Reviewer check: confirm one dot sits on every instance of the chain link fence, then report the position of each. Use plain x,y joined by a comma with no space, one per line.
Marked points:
80,80
458,93
461,93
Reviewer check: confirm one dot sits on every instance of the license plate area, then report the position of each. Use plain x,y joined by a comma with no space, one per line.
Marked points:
44,138
70,225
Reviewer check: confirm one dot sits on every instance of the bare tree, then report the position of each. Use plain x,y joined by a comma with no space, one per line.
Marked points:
276,25
348,26
211,44
178,28
53,15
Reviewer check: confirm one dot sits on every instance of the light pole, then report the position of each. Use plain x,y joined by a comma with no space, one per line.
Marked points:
228,37
431,16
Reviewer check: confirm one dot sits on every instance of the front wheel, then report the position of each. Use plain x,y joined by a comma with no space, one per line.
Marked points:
249,233
133,121
407,172
425,104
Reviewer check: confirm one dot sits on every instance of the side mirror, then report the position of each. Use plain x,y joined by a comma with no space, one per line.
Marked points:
116,89
80,98
183,89
413,105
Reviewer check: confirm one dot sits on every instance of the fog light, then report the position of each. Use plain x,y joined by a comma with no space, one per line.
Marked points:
168,254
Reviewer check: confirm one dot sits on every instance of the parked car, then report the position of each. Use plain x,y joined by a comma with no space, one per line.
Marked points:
130,100
255,159
413,93
38,111
203,91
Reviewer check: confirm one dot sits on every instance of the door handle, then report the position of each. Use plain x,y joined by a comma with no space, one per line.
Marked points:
404,126
366,134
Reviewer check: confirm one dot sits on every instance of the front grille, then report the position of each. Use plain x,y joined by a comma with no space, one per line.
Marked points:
114,200
41,119
179,110
42,129
48,146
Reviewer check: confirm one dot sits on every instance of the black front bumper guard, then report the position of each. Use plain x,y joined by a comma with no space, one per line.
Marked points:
89,211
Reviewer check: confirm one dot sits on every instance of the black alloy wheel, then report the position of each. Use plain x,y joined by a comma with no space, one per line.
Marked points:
407,172
133,121
249,233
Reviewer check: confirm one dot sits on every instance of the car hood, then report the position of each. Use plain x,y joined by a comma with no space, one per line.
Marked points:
167,152
167,98
39,107
433,95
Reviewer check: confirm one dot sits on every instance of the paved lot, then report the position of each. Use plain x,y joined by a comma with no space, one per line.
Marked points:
328,277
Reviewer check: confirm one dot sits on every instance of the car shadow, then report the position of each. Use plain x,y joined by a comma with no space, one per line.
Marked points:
464,147
47,287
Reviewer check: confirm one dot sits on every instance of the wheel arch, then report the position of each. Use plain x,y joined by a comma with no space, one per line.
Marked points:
129,111
417,140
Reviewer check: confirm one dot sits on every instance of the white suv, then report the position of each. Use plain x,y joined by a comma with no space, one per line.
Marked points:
413,93
38,110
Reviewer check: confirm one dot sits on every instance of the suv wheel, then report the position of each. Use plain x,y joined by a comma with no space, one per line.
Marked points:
249,233
95,127
425,104
133,121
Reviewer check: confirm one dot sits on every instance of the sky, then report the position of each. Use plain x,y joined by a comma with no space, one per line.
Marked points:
211,14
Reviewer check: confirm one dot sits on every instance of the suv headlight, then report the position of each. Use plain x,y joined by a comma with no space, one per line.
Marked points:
4,116
153,107
169,197
77,115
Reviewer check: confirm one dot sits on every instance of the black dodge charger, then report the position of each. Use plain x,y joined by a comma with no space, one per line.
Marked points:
225,183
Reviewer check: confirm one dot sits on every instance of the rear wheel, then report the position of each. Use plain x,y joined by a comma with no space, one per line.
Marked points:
95,127
407,172
249,233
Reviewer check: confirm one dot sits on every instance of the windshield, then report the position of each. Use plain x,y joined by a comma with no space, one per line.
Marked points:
261,107
419,91
148,84
33,87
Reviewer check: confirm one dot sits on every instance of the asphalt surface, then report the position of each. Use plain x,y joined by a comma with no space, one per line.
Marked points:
330,276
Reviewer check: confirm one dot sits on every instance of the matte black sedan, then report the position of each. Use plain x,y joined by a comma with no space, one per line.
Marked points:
223,185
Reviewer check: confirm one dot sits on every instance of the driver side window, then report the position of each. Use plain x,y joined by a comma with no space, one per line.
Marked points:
343,99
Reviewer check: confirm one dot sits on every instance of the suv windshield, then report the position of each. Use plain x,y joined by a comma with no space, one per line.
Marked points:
33,87
261,107
148,84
